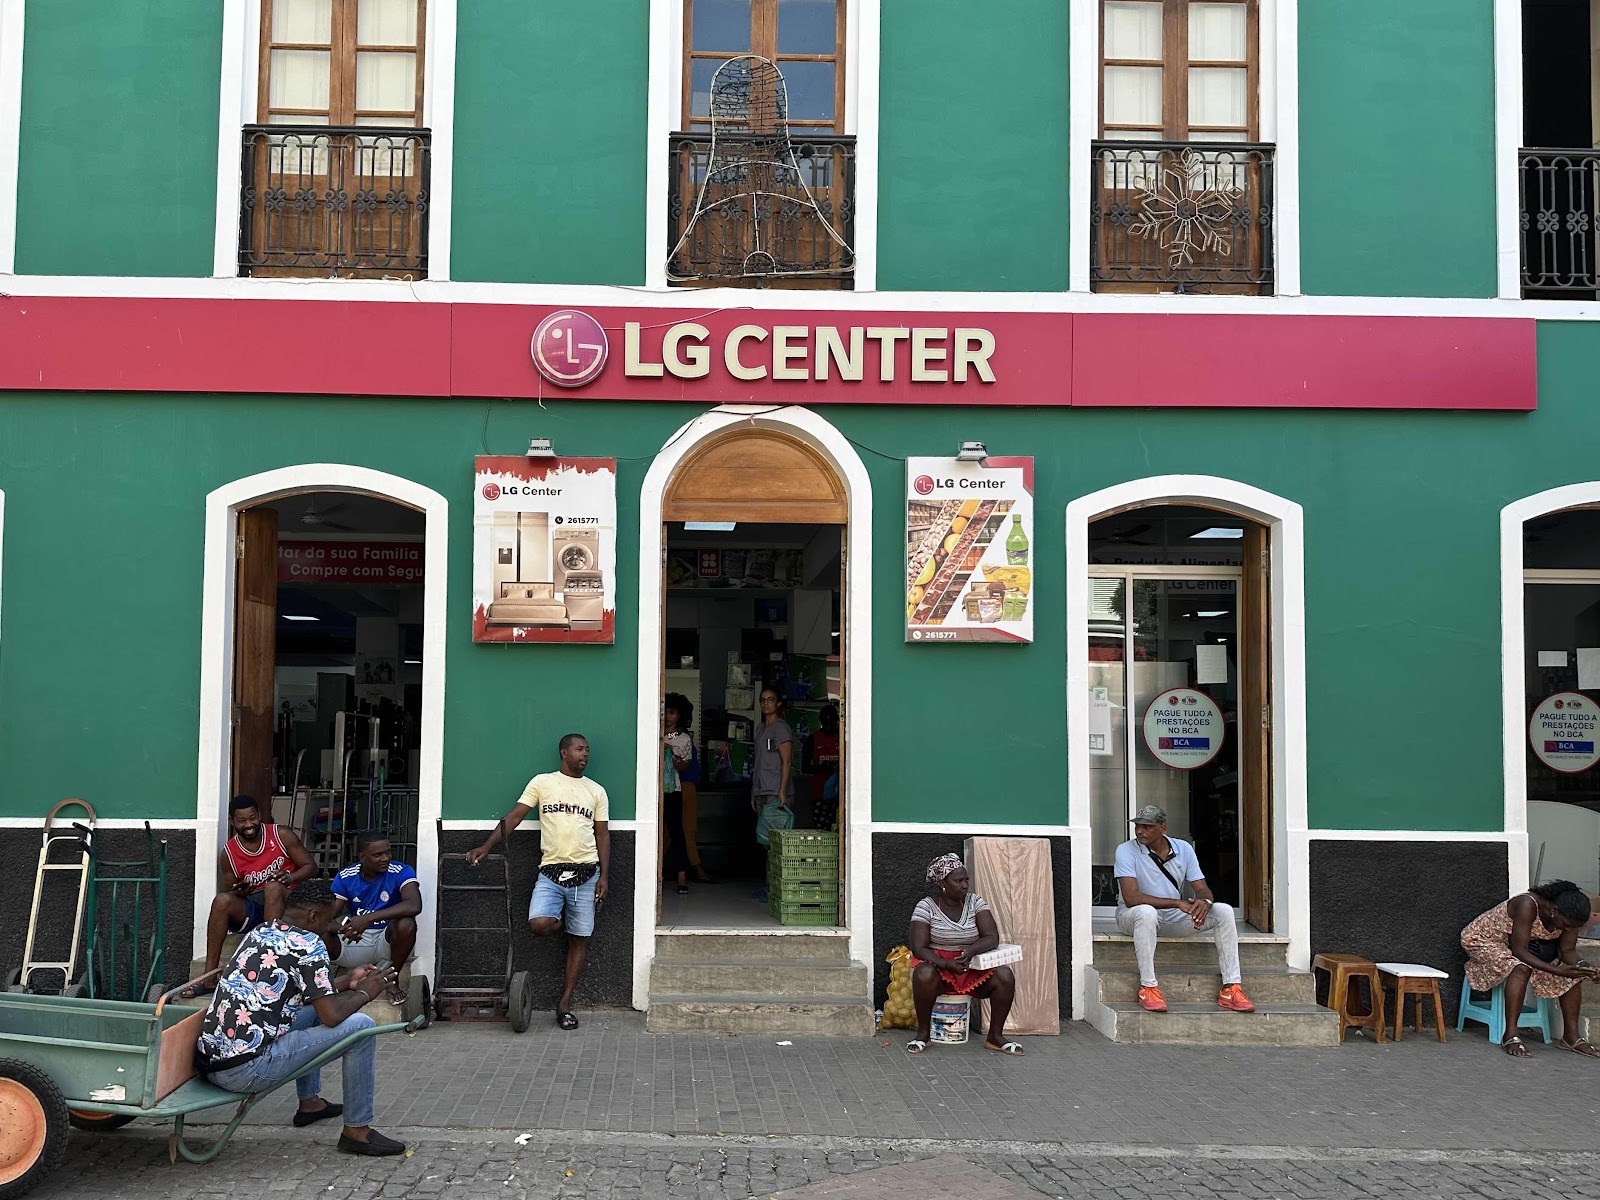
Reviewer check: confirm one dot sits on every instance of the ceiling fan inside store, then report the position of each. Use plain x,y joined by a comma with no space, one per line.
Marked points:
317,518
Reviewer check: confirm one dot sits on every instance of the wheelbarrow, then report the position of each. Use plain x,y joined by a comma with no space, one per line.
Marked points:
99,1064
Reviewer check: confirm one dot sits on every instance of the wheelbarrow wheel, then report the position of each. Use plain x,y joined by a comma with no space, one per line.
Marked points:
96,1122
419,1001
157,990
33,1127
519,1003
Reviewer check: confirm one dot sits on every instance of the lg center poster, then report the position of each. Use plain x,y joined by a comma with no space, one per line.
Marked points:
969,550
544,553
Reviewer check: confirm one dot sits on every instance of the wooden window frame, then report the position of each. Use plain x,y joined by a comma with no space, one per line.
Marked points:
764,42
1175,64
342,49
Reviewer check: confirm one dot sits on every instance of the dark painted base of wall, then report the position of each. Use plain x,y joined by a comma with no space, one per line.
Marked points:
608,976
20,849
1403,901
899,880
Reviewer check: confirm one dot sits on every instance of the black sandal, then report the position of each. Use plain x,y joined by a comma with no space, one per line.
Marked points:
566,1020
683,889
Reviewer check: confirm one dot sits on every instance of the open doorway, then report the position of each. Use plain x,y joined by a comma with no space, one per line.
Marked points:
328,665
1179,671
754,579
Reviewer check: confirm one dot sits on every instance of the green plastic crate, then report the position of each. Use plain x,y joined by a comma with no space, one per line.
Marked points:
804,914
805,843
805,892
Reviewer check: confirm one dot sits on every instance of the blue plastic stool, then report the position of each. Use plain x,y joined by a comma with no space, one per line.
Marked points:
1536,1014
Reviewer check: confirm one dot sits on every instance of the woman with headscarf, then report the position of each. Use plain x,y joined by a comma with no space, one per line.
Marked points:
1530,943
948,929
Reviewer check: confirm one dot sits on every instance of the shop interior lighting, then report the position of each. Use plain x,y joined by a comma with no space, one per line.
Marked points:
541,447
971,452
299,617
413,662
1216,612
1218,531
710,526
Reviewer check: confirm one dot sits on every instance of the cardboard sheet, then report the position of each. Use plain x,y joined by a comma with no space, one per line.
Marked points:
1013,875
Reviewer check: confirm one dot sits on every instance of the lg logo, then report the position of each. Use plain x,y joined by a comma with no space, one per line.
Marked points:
924,485
491,491
569,348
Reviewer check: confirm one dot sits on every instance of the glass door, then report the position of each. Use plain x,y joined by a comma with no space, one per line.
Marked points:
1164,697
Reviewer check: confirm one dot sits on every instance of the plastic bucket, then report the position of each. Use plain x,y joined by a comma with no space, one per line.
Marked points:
951,1017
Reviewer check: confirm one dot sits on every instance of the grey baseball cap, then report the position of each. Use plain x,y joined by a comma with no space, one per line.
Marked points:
1150,814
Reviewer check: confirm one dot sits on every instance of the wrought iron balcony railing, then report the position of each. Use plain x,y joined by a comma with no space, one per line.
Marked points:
756,216
1182,216
1560,207
336,200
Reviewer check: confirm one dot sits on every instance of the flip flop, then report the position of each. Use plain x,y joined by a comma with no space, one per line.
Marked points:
1014,1049
1514,1047
191,992
916,1046
683,889
566,1020
1588,1050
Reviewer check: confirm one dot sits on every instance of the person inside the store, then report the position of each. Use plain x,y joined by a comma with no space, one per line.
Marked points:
771,776
575,838
822,759
689,781
383,899
259,863
277,1007
1162,892
677,751
949,929
1530,942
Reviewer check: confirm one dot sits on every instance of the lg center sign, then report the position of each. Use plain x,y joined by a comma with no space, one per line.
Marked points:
571,349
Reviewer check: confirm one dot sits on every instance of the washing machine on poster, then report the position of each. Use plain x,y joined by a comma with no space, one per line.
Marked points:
578,577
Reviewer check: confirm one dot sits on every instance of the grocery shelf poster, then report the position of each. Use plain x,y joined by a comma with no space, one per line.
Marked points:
544,550
969,550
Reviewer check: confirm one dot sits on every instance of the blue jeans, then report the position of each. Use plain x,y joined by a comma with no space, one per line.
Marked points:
575,905
307,1038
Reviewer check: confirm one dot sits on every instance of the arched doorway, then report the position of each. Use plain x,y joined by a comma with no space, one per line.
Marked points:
1269,612
357,557
749,521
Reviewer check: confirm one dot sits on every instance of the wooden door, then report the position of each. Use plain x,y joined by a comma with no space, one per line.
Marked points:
1255,728
255,649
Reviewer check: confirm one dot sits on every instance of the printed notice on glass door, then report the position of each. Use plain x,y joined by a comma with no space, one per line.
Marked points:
969,550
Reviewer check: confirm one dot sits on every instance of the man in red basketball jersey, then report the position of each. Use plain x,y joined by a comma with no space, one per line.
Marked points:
260,864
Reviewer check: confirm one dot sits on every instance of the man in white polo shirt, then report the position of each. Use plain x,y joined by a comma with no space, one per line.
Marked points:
1152,873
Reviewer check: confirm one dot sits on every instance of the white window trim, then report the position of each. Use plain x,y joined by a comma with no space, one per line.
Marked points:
1285,522
1507,142
1279,106
241,64
11,29
862,72
822,437
1513,709
216,663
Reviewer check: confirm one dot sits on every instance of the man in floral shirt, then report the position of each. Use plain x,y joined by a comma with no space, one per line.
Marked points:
276,1008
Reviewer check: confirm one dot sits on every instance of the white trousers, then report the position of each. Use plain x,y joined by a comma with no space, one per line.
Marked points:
1145,924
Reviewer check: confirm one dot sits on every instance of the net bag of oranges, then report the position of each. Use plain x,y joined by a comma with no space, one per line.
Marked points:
899,1012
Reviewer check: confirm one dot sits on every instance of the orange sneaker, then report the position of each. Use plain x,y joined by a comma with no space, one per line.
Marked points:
1233,999
1151,999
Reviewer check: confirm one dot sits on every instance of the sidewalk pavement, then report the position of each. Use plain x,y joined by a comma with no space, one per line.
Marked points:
611,1077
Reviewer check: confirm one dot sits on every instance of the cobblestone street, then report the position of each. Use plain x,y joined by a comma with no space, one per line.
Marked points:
455,1165
635,1116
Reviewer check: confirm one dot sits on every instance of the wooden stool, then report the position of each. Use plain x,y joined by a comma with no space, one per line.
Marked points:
1416,980
1343,970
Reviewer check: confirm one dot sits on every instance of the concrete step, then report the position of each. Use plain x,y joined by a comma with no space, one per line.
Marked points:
1207,1025
1255,950
1264,985
753,1014
765,976
826,947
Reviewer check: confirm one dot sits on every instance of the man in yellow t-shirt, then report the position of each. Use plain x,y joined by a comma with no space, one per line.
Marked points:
575,836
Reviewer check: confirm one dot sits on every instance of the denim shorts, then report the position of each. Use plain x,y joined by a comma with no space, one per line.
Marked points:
574,904
255,912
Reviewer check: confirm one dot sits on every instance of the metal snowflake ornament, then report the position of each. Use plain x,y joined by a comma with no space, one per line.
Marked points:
1185,210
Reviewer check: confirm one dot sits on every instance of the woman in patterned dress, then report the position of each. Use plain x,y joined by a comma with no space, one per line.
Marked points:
1531,941
947,930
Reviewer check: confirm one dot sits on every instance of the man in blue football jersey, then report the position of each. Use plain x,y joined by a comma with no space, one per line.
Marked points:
383,898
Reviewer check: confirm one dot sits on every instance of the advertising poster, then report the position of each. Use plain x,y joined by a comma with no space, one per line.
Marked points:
544,550
969,550
1183,728
1562,732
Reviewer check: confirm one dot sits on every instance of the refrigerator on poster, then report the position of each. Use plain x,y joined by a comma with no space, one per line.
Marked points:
969,550
544,550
